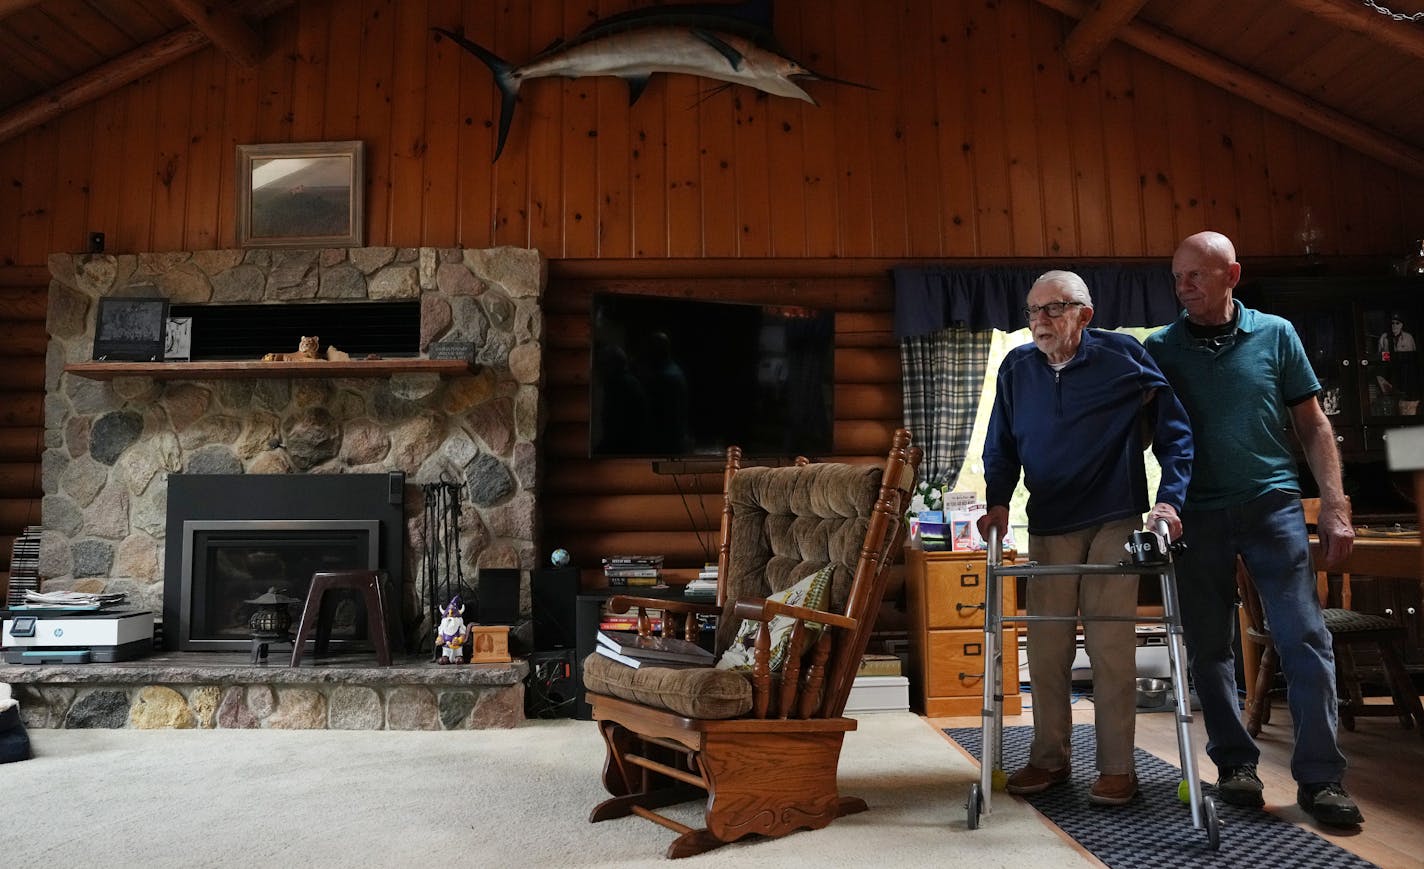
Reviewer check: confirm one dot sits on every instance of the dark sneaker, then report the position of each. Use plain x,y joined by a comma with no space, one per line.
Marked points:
1033,779
1240,786
1329,804
1113,790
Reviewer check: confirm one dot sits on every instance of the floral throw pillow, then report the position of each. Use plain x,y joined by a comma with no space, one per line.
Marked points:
812,592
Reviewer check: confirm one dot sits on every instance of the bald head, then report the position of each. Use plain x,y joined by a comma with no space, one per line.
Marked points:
1212,244
1205,271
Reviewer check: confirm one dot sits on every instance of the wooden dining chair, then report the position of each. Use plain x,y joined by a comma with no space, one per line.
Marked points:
1348,630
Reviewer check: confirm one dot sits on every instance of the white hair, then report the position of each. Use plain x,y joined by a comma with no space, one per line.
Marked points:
1070,282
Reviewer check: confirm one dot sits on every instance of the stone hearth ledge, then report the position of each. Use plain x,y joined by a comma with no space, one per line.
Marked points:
218,690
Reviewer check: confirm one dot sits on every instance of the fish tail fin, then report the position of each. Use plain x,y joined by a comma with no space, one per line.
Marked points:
504,79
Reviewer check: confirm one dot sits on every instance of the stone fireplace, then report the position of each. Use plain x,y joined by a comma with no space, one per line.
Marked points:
111,445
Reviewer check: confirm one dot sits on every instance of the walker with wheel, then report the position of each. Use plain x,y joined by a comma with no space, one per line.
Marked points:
1150,557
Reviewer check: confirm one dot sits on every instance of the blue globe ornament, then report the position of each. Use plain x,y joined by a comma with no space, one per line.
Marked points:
560,558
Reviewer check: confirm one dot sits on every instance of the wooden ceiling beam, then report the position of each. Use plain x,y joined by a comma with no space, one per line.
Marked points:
1405,36
1260,90
103,79
1099,27
227,30
10,7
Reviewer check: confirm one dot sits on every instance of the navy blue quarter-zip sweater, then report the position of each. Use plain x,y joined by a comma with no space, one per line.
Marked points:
1077,434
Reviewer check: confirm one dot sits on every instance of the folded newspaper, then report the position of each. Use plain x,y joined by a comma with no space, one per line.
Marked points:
73,598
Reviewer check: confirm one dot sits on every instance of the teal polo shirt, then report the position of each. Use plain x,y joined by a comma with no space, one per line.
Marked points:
1238,396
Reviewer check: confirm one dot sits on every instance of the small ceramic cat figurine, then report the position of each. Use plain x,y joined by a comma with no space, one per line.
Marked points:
306,352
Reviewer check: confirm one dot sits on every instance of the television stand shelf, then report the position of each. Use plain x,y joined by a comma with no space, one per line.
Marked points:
234,370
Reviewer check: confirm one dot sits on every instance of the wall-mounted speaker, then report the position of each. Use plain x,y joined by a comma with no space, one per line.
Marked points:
499,595
553,595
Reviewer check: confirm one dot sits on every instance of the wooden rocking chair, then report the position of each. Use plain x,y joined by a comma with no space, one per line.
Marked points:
762,748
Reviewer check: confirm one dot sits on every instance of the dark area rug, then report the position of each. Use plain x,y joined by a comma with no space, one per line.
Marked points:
1155,829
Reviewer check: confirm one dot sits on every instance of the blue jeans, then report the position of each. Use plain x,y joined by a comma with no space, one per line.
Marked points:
1269,534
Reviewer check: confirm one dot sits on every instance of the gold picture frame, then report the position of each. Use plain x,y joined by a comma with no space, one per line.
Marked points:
301,194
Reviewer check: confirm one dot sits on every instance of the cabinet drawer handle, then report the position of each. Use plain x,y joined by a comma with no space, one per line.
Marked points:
963,676
961,607
1410,610
1389,611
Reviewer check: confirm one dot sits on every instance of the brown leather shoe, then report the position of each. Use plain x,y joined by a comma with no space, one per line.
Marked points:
1032,779
1113,790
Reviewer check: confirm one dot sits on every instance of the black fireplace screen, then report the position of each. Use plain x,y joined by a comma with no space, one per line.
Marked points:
229,562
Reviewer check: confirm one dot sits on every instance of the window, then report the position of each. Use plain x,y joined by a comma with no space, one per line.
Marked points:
971,475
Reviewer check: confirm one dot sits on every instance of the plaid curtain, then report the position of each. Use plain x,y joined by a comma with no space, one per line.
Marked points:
942,375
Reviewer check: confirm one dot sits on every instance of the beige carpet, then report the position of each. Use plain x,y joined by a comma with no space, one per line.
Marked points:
520,797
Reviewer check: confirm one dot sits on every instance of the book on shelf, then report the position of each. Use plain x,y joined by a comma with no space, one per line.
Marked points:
631,661
633,561
632,572
635,582
654,649
872,664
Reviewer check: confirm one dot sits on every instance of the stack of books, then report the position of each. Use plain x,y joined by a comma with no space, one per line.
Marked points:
705,585
629,621
628,648
24,565
633,570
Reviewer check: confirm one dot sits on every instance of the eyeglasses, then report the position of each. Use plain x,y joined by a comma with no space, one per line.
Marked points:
1053,309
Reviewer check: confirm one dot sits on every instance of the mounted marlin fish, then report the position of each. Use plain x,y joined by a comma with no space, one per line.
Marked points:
729,43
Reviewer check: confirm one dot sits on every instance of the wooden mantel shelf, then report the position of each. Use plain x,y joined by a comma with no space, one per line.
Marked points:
224,370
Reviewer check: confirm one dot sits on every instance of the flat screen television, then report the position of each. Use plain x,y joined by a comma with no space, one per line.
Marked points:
677,378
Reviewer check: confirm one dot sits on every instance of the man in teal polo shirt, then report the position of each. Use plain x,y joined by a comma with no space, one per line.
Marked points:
1244,378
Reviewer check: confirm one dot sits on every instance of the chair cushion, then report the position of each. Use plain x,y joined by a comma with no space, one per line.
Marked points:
696,692
1343,621
810,592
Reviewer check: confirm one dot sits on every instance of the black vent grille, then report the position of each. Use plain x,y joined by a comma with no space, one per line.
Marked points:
386,329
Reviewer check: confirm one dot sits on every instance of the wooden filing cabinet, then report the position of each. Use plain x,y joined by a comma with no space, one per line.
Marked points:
945,596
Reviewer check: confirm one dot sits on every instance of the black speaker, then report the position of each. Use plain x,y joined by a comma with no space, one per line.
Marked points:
553,595
551,689
499,595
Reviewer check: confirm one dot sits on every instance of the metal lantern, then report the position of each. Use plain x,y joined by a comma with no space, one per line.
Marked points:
271,622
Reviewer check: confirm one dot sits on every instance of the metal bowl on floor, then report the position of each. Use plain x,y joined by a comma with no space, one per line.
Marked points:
1153,693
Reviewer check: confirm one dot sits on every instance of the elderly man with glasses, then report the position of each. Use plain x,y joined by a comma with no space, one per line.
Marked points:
1074,412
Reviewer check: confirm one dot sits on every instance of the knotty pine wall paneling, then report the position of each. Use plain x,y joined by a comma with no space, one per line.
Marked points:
975,141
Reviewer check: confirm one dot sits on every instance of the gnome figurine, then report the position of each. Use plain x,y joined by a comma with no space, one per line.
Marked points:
451,634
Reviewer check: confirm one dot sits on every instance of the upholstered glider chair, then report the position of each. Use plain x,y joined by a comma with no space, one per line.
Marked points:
802,569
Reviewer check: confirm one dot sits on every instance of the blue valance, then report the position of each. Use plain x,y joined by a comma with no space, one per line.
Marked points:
980,298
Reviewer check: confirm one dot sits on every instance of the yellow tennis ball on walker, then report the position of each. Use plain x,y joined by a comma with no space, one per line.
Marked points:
1184,791
1000,779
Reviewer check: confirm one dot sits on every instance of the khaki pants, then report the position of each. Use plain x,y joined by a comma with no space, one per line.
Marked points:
1111,646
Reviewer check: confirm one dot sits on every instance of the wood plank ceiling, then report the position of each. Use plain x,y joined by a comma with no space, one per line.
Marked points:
1341,67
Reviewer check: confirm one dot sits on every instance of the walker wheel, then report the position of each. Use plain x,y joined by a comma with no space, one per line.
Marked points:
1213,827
1184,792
973,805
1000,779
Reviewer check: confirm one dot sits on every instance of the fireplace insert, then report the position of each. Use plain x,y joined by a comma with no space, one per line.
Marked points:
231,537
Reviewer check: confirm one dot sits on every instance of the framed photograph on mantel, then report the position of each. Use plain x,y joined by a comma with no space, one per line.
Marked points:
130,330
302,194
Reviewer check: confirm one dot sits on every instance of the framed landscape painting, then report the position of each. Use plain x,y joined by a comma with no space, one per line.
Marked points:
302,194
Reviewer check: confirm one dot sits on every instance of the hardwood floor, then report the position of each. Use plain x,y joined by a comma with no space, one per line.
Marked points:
1386,776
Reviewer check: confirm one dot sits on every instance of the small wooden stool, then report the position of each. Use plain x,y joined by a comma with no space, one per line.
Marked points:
319,611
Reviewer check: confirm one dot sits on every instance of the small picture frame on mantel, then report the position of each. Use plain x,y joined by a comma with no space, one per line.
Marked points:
178,339
130,330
